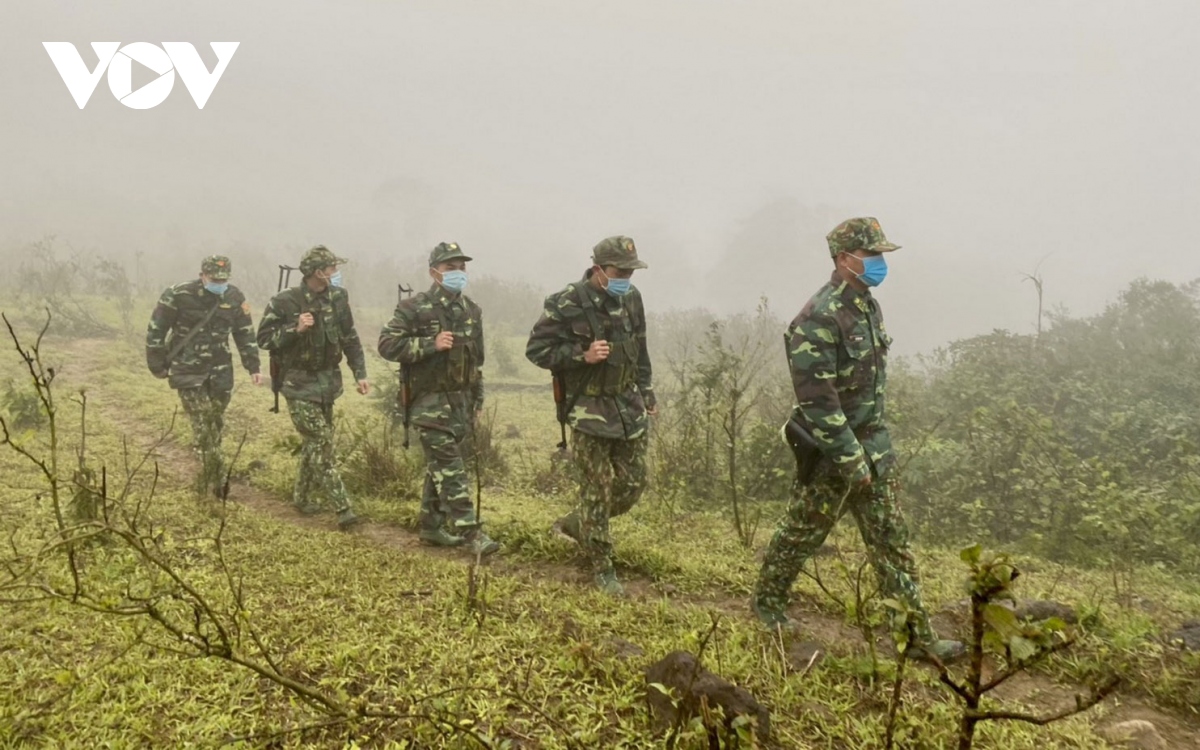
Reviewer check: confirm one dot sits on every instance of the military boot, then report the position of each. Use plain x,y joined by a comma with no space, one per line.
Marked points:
773,620
439,538
568,526
347,519
606,581
307,509
945,650
480,543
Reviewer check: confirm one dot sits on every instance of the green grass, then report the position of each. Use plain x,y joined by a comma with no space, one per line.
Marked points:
383,623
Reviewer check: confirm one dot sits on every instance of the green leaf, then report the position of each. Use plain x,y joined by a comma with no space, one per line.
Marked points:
1022,648
971,554
1054,625
993,642
1003,571
1002,620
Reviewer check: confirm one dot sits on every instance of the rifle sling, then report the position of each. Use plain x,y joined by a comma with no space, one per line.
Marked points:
175,350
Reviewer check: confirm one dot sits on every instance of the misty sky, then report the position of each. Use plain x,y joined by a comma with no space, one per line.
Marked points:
726,138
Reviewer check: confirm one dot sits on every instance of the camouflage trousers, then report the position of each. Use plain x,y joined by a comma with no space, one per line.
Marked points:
317,480
205,408
813,511
447,492
612,477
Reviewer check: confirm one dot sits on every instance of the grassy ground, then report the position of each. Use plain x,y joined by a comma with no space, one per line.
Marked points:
540,660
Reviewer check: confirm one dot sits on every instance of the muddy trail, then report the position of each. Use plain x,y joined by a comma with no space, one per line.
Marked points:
178,465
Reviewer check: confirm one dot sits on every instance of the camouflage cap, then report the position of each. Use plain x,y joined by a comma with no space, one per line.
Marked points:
618,251
862,233
317,258
216,267
446,251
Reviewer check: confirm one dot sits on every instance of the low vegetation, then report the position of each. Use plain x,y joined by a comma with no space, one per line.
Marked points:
134,613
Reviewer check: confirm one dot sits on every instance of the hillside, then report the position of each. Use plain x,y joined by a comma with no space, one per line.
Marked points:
520,652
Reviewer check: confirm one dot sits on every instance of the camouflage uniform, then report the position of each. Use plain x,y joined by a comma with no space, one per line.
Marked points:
608,400
201,371
446,391
837,347
312,380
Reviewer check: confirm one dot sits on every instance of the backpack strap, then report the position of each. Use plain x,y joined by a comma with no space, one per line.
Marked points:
443,321
589,310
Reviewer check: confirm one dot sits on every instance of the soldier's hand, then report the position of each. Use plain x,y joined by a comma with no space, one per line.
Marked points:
652,410
304,322
597,352
256,378
864,482
444,341
161,374
364,387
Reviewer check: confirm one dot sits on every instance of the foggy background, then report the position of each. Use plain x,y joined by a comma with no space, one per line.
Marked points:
726,139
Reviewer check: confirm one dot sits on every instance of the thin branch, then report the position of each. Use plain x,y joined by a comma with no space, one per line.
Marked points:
1081,704
1013,670
947,680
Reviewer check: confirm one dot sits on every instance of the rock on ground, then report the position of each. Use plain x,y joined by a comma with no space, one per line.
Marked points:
1041,609
1188,636
1138,734
689,682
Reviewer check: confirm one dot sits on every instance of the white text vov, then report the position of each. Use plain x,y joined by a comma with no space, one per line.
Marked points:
118,61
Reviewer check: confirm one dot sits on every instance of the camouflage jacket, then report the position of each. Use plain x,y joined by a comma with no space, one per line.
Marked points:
310,360
562,335
447,387
837,347
206,356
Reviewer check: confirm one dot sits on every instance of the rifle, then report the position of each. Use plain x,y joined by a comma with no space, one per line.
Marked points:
404,394
405,400
560,406
276,358
805,448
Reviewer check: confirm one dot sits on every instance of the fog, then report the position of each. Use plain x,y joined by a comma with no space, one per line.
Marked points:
727,139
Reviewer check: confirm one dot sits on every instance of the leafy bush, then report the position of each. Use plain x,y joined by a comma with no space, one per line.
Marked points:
1077,444
21,406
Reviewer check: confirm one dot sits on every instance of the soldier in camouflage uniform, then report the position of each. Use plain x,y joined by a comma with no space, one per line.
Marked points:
311,326
187,342
593,334
837,347
437,337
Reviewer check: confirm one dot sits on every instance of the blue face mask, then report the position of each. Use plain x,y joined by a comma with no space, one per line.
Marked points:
455,281
336,279
215,288
618,287
874,270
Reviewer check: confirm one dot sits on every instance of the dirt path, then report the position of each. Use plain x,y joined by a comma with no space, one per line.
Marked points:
179,464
